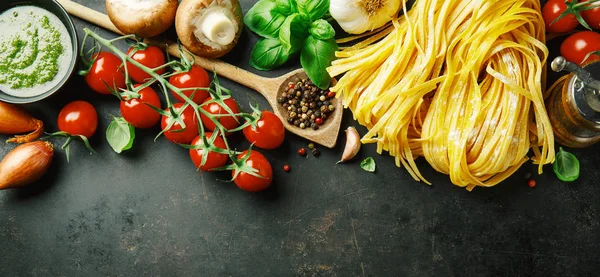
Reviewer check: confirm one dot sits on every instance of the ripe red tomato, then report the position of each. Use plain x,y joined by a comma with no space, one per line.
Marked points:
106,70
269,132
213,160
592,17
228,121
78,118
251,183
195,78
151,57
577,46
191,125
551,11
137,113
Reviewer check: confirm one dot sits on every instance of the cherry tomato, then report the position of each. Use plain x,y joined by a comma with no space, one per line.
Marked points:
137,113
592,17
227,121
150,57
106,70
251,183
213,160
551,11
78,118
195,78
191,125
269,132
577,46
531,183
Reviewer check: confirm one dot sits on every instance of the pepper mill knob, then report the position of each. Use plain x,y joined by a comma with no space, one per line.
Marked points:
560,63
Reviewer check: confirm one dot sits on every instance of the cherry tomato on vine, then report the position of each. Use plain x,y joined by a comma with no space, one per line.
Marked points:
191,125
228,121
251,183
213,160
105,71
195,78
269,132
551,11
592,17
78,118
137,113
577,46
151,57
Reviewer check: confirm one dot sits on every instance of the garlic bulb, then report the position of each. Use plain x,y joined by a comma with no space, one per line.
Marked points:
359,16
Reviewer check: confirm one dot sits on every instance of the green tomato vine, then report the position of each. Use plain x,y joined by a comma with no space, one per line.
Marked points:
217,92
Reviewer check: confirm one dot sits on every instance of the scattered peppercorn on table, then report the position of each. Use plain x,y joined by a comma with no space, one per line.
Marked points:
145,213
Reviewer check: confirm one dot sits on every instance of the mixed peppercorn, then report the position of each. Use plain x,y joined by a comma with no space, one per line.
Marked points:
307,106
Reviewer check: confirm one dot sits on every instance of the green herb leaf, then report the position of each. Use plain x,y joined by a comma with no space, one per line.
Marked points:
264,19
293,32
321,29
316,56
368,164
313,9
120,135
268,53
286,7
566,166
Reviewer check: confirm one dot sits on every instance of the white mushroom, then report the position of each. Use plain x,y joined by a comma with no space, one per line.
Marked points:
145,18
209,28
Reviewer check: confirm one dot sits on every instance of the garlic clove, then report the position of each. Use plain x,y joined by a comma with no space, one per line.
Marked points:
353,144
218,28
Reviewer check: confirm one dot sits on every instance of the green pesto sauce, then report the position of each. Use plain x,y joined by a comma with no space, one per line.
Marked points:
29,56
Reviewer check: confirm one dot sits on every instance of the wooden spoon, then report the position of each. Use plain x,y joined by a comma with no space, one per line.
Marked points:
270,88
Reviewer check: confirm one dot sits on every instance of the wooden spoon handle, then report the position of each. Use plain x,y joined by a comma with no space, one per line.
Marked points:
89,15
226,70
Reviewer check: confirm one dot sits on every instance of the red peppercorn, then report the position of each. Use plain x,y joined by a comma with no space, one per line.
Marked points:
291,86
531,183
330,94
286,168
319,121
301,151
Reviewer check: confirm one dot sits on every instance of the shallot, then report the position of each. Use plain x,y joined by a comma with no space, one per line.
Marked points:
15,120
25,164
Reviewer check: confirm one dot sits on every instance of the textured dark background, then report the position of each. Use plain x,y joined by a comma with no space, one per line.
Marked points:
149,213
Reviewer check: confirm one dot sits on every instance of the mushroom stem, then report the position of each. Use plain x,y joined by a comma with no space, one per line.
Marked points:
218,28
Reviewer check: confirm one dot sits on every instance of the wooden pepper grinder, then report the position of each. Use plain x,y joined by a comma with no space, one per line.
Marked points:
574,105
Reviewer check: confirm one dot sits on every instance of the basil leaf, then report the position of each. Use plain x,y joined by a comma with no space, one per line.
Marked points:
293,32
268,53
566,166
313,9
316,56
264,19
286,7
368,164
321,29
120,135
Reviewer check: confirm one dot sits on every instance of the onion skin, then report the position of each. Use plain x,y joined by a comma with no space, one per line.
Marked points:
15,120
25,164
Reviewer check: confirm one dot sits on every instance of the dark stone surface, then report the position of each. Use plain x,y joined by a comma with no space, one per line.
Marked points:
149,213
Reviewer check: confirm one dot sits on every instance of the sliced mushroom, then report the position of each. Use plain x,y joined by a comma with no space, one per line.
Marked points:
145,18
209,28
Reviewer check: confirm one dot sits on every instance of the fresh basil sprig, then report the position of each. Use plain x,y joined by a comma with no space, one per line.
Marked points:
291,26
566,166
120,135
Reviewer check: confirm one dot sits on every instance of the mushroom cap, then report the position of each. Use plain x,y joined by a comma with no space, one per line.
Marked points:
189,11
144,18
